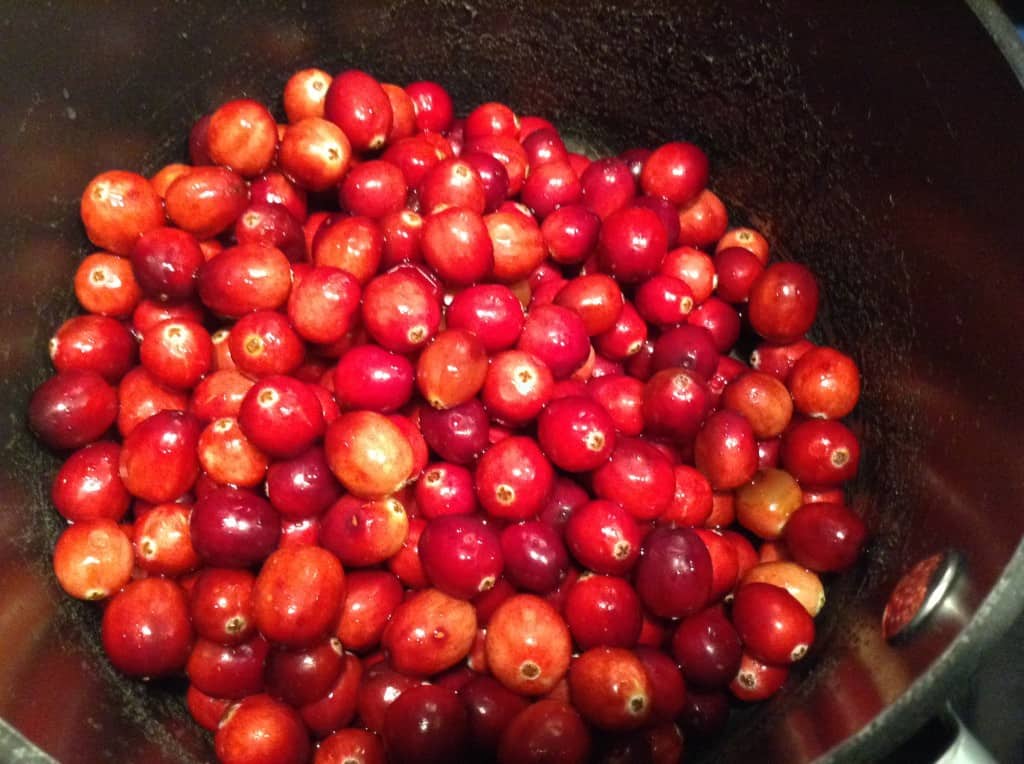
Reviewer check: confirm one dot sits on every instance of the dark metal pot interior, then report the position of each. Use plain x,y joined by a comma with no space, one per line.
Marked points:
877,142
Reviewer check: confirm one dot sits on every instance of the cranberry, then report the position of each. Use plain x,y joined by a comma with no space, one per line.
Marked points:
825,537
493,177
545,731
315,153
565,498
373,189
604,537
105,284
576,433
370,598
490,708
281,416
675,403
452,183
158,459
400,310
707,648
570,233
93,559
703,220
228,671
352,244
822,453
517,387
72,408
206,710
245,278
603,611
380,687
737,270
274,188
725,450
117,208
528,645
141,397
549,186
491,311
778,360
558,337
458,434
765,504
426,724
748,239
337,707
674,573
689,347
221,605
429,632
491,118
356,103
457,245
773,625
763,400
445,489
632,244
361,533
544,145
513,479
610,688
177,353
607,186
596,298
825,383
299,677
146,630
535,557
517,243
432,105
724,562
622,397
242,135
206,201
261,729
804,585
402,232
452,369
783,302
272,225
304,94
233,528
350,745
638,477
704,713
369,377
720,319
88,487
162,542
219,394
677,171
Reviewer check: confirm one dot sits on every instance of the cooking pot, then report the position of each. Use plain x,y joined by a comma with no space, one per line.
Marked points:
878,142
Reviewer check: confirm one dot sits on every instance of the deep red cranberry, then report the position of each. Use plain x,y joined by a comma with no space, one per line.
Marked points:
778,360
461,555
725,450
158,459
373,189
737,270
677,171
596,298
490,708
88,486
638,477
493,177
380,687
274,188
166,262
721,321
445,489
509,152
666,212
692,502
622,397
513,479
261,729
177,353
566,497
299,677
146,630
547,730
356,103
233,528
491,118
302,486
825,383
756,681
228,671
361,533
72,408
452,183
675,403
281,416
402,232
603,611
432,105
571,233
206,710
298,595
707,648
704,714
783,302
458,434
272,225
825,537
550,186
544,145
457,245
576,433
689,347
426,724
773,625
369,377
535,557
370,597
703,220
491,311
558,337
221,605
820,453
632,244
245,278
611,689
664,300
607,186
517,387
674,574
603,537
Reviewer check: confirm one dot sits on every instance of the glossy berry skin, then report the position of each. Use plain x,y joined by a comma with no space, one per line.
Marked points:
622,397
370,377
675,403
324,304
428,633
432,105
756,680
596,298
302,486
737,270
765,504
263,343
445,489
261,729
245,278
361,533
490,708
549,186
763,401
356,103
820,453
457,245
535,556
638,477
146,630
528,646
425,725
632,244
93,343
461,555
370,598
300,677
610,688
228,671
177,353
233,528
93,559
452,369
772,624
664,300
298,595
783,302
162,542
491,311
603,537
825,383
458,434
88,487
576,433
281,416
220,605
72,409
166,262
707,648
803,584
677,171
825,537
513,479
517,388
603,611
778,360
543,732
400,310
674,573
571,233
558,337
206,201
725,450
688,347
105,284
117,208
158,459
373,189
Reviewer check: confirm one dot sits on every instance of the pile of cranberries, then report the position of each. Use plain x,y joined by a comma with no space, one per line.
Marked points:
422,439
